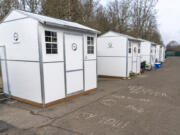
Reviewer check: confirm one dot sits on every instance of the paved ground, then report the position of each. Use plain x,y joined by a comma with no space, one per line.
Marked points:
146,105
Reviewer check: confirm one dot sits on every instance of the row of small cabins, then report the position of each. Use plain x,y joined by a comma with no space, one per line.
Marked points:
46,61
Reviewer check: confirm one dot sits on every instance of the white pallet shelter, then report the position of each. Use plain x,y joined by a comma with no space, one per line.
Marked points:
48,59
150,52
118,55
162,53
146,51
153,54
158,52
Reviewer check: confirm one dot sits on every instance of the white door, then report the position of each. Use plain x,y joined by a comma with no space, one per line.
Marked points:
74,63
134,57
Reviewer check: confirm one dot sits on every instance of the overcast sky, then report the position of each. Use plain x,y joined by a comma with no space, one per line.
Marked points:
168,19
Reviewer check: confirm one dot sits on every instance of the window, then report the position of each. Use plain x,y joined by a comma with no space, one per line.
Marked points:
139,50
90,45
129,49
51,42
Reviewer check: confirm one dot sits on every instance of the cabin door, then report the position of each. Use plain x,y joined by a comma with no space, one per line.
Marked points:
134,56
74,64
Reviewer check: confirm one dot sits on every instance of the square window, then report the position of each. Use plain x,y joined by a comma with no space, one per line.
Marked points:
51,42
90,45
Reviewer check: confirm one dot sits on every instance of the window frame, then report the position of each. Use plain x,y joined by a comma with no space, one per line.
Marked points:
130,48
51,44
139,49
90,45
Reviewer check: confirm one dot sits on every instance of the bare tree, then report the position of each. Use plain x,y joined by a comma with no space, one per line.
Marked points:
143,13
33,6
133,17
6,6
120,15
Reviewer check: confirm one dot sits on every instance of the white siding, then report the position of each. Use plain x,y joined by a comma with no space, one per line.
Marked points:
54,81
26,48
158,52
90,75
52,57
24,79
146,52
13,15
112,66
118,46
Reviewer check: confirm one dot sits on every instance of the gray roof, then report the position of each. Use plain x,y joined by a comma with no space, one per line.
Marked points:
57,22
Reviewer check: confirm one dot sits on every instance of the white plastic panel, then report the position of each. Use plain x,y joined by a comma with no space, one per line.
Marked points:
112,66
146,58
158,52
138,64
60,54
134,57
129,65
54,81
74,82
26,47
146,52
13,16
24,78
153,55
162,54
110,34
90,75
112,46
74,58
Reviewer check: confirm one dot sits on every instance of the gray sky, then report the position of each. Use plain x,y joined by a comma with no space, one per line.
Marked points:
168,19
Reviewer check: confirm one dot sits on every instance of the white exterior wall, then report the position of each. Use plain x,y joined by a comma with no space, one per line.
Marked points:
162,54
113,55
53,64
146,52
22,57
112,60
153,55
24,63
90,64
54,75
158,53
135,58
